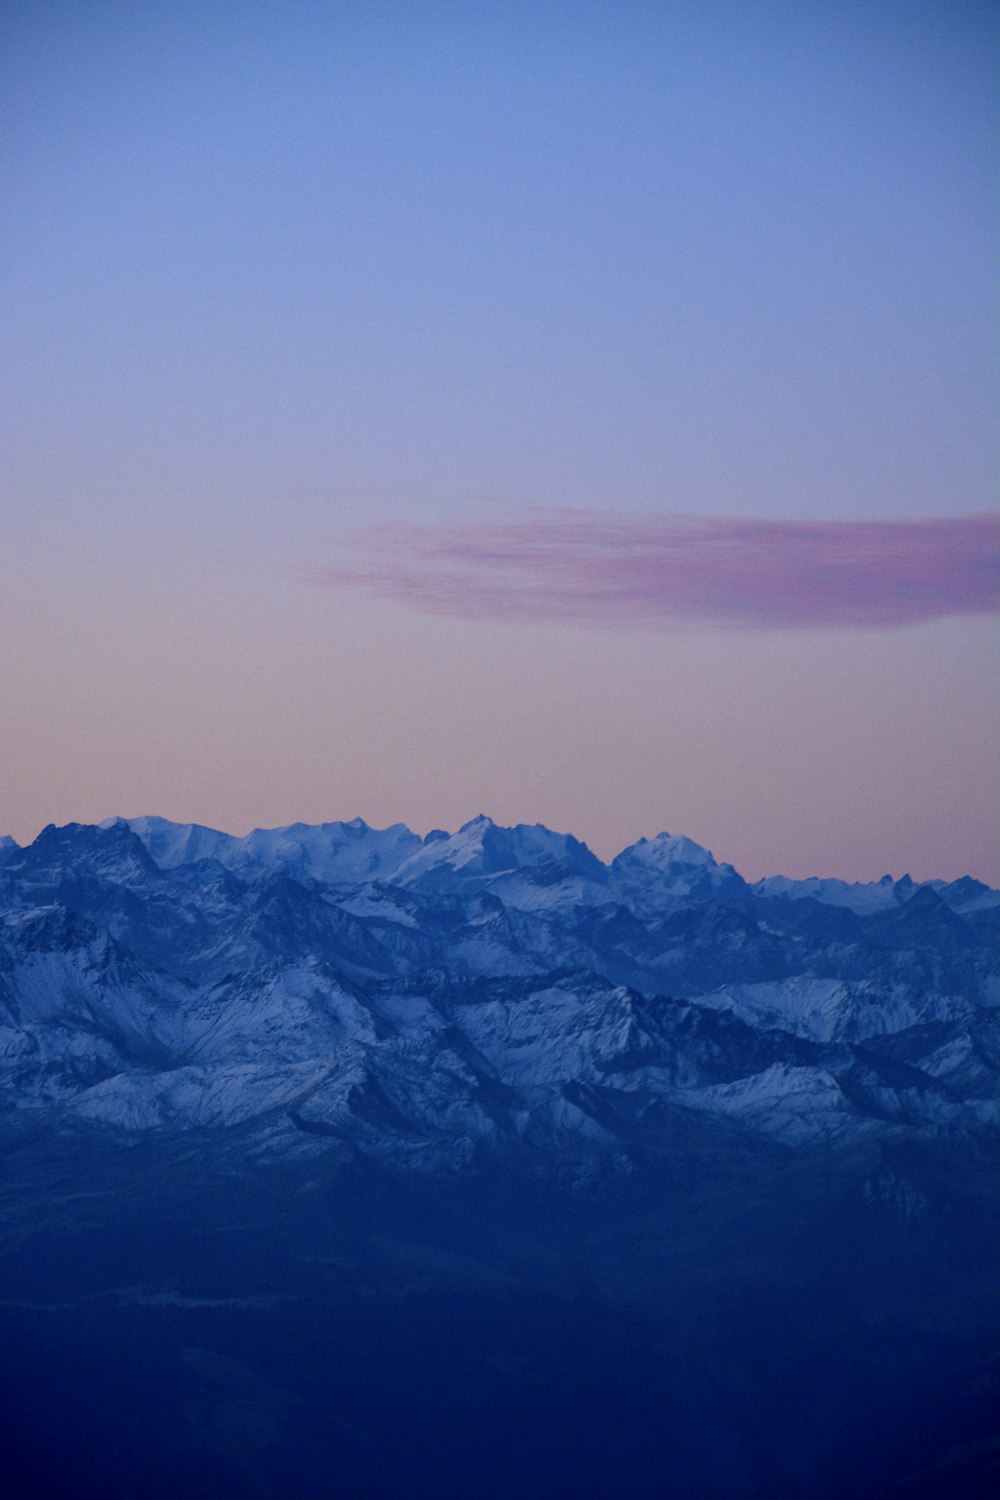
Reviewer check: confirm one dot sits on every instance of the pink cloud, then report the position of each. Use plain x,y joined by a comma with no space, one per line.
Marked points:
597,568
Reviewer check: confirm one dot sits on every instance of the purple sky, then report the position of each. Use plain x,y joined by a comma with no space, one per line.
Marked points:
625,374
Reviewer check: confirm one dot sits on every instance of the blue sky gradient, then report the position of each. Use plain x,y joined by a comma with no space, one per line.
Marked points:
272,273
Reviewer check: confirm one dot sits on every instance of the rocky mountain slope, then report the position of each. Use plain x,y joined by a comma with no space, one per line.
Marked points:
337,1162
497,990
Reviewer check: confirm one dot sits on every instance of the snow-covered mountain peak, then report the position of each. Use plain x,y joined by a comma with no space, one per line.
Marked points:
481,850
664,850
672,867
479,824
332,853
173,844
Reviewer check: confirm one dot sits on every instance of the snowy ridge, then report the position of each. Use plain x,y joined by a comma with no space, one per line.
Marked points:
331,853
428,1000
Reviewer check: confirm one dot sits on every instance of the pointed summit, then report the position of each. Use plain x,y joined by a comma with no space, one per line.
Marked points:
479,824
923,921
482,850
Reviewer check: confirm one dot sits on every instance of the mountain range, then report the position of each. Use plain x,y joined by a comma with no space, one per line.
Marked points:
340,1161
426,1000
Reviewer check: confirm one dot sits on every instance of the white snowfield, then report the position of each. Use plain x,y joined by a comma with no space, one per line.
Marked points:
425,1000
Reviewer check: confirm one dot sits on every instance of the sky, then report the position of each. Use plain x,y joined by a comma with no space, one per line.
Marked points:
578,413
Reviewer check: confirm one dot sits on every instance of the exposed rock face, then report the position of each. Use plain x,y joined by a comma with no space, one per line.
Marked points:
428,1001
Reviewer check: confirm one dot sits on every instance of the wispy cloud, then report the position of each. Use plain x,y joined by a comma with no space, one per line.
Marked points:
598,568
